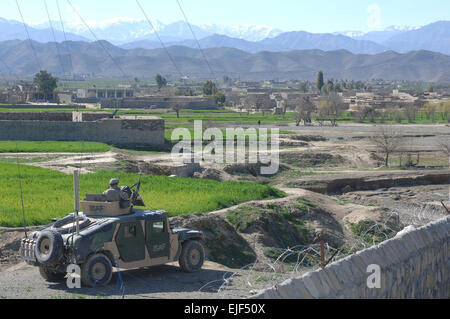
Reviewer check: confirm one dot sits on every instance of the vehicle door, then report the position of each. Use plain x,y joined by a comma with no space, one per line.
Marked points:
157,238
130,241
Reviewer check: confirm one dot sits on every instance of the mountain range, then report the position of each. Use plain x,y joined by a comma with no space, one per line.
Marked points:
123,30
433,37
131,34
14,30
91,58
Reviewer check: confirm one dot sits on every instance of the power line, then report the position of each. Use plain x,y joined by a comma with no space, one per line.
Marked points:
65,37
28,34
196,39
54,38
159,38
98,41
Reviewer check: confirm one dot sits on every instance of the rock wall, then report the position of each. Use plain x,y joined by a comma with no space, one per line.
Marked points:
414,264
120,132
159,102
35,116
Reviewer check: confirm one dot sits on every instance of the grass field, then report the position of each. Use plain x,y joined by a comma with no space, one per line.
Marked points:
48,194
187,117
52,147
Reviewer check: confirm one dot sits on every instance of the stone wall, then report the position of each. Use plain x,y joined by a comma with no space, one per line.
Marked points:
159,102
414,264
120,132
41,106
35,116
89,116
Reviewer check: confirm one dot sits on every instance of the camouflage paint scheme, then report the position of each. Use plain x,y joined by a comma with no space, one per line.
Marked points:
127,240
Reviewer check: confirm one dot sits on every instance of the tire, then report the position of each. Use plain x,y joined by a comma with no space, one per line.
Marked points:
96,271
51,275
192,256
49,248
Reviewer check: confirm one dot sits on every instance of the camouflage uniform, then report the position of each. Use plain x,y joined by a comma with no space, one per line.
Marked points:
114,193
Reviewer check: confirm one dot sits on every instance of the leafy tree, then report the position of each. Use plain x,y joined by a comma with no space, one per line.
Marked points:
320,82
220,98
210,88
160,81
46,83
328,88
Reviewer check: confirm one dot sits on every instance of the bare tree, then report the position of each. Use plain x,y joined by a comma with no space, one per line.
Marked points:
234,100
177,107
387,142
360,115
249,103
265,104
398,114
430,111
411,112
303,110
335,106
384,115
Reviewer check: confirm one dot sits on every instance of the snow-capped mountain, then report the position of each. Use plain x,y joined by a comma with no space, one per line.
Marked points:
124,30
378,36
246,32
117,30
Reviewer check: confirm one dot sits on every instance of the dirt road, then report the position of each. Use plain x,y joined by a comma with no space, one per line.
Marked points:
24,282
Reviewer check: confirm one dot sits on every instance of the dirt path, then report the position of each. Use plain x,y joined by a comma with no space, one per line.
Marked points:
164,282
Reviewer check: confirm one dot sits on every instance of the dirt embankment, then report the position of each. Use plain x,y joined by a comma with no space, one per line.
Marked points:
237,236
10,239
345,183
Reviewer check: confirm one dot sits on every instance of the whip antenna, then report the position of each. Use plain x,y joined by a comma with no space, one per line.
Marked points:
77,198
21,192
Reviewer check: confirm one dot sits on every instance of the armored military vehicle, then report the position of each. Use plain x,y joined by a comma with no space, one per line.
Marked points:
111,234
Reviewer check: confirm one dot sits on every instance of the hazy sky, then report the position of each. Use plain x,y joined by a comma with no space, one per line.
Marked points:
287,15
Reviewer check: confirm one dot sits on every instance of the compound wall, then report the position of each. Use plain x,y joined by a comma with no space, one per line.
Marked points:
159,102
35,116
413,265
120,132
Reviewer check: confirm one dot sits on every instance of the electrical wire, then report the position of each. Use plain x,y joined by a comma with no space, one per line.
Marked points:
54,38
196,39
65,37
28,35
98,41
159,38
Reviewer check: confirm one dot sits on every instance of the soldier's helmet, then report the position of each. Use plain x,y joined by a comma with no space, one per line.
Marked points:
114,181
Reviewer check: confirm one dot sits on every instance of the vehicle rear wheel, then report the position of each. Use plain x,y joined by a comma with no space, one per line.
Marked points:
51,275
192,256
96,271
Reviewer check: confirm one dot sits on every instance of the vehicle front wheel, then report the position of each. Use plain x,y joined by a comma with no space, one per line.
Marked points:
51,275
192,256
96,271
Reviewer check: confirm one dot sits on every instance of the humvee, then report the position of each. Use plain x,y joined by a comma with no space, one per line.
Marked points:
111,234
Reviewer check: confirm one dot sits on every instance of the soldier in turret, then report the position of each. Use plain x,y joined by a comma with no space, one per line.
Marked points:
114,193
